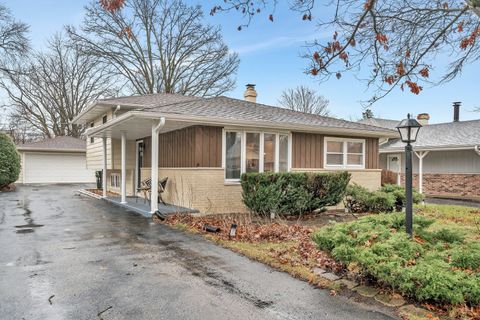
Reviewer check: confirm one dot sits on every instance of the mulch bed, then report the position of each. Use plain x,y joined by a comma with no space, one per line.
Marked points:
252,231
8,188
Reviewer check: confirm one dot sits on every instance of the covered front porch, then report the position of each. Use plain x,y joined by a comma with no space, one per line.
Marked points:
129,129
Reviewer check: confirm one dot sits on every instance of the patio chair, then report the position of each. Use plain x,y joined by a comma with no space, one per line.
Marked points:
146,188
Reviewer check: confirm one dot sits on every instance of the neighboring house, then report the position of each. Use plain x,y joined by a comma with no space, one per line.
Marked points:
57,160
447,157
203,145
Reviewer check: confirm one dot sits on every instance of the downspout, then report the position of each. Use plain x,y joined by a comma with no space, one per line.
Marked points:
116,110
477,149
154,169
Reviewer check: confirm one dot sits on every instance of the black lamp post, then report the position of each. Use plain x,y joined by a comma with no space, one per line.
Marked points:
408,129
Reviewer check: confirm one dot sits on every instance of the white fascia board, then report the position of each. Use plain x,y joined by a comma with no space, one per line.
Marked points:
272,125
445,148
31,149
80,118
226,122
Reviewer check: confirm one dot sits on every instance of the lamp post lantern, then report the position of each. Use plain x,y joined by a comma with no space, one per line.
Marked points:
408,129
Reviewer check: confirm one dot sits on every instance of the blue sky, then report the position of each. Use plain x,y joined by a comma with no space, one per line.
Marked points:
270,58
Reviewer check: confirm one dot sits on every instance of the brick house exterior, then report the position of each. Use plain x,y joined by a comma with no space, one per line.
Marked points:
446,161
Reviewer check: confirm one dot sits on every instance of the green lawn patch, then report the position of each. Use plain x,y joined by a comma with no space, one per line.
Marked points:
440,265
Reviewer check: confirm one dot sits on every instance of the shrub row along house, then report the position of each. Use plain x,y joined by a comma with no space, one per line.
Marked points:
203,145
447,156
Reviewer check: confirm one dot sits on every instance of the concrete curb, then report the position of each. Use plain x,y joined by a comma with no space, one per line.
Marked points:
89,194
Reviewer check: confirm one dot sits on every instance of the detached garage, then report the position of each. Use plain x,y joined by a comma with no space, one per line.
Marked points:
57,160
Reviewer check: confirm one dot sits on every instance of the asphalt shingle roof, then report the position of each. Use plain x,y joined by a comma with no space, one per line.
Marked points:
57,143
437,135
378,122
239,110
148,100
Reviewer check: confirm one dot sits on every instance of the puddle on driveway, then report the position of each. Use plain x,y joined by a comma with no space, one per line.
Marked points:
30,225
24,230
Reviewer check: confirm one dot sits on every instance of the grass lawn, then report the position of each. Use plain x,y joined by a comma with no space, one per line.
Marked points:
463,219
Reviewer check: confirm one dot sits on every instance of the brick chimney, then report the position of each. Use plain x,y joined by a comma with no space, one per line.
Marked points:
250,94
423,118
456,111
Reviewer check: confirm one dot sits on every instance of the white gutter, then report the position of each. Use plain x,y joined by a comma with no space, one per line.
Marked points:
445,148
27,149
477,149
78,118
223,122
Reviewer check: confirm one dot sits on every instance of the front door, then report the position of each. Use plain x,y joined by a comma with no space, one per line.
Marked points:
139,163
394,163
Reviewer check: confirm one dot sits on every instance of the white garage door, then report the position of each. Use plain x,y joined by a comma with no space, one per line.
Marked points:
56,168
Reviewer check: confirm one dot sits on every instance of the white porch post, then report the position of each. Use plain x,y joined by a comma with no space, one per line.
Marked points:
104,172
420,155
124,168
154,169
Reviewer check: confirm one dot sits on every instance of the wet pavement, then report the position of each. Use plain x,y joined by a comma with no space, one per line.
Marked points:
65,256
455,202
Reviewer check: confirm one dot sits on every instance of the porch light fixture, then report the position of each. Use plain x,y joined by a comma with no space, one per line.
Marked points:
233,231
408,129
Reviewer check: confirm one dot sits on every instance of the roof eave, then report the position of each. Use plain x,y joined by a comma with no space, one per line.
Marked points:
51,149
427,148
82,117
218,122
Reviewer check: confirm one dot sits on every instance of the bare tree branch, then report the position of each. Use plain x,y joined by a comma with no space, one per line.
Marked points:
304,100
159,46
13,38
389,43
48,89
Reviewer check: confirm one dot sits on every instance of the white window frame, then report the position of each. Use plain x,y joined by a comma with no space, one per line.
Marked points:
115,180
345,153
243,149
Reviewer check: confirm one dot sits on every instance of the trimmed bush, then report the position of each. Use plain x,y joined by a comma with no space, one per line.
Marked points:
292,193
400,197
439,266
389,198
9,161
379,201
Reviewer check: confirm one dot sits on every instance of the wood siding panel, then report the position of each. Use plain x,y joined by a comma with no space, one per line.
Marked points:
307,151
195,146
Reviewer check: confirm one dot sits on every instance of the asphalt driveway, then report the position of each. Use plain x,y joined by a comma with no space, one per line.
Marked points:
94,260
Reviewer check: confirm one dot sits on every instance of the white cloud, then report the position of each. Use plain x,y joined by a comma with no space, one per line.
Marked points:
277,42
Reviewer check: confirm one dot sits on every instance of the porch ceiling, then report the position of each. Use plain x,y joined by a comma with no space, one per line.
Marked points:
135,128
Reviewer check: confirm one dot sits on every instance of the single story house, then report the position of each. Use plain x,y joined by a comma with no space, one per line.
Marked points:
446,161
203,145
57,160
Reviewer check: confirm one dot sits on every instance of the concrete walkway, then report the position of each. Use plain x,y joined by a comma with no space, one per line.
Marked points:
143,207
65,256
